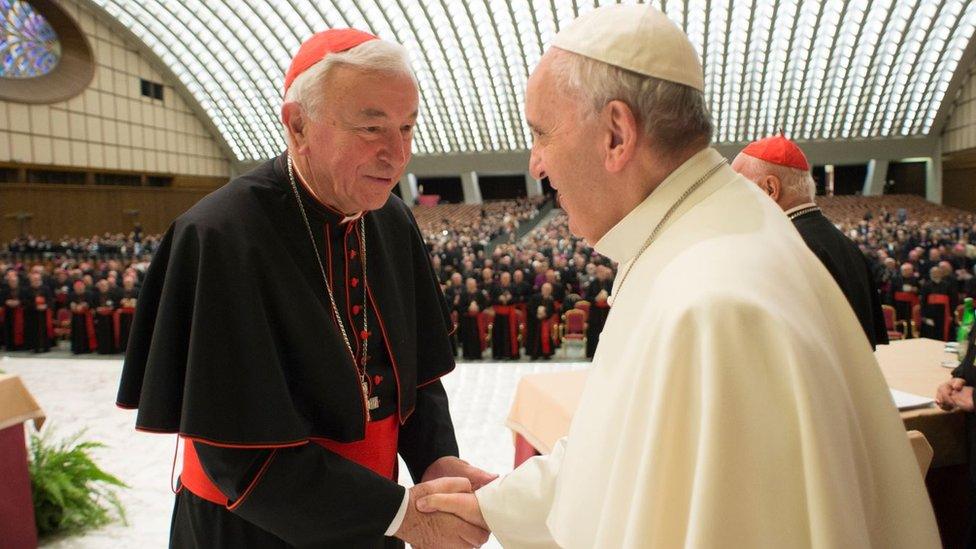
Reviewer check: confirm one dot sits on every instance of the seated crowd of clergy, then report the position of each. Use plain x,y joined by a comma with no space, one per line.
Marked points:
508,304
89,304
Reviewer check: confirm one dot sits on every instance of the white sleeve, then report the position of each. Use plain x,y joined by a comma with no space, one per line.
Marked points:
398,518
516,506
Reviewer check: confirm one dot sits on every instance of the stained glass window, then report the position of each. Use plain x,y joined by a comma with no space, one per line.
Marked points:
29,47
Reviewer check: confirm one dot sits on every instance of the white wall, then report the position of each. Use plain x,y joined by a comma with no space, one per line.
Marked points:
111,125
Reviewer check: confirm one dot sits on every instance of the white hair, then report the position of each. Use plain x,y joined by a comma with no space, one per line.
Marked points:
309,89
673,115
795,184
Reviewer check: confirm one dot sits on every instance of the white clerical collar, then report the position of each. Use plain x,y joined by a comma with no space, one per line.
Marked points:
622,242
803,206
352,217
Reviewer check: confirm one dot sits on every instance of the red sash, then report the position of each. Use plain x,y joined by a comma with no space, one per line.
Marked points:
117,322
546,330
509,311
377,452
18,321
90,329
482,324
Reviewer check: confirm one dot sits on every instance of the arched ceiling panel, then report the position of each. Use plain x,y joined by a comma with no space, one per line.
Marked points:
814,69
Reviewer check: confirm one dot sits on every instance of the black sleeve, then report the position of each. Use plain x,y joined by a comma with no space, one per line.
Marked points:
880,331
305,495
428,434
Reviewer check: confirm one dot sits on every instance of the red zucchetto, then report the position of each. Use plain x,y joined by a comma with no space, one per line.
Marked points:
778,150
321,44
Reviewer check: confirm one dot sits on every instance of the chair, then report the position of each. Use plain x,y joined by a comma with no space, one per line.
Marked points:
486,321
891,324
523,330
62,324
574,326
584,306
922,450
904,303
917,321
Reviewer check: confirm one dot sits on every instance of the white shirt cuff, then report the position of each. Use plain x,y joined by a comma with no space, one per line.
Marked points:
398,518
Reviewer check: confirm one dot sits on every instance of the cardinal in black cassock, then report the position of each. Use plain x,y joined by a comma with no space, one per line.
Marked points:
505,329
469,304
38,316
13,297
597,293
539,324
781,169
128,298
106,302
296,348
83,337
848,267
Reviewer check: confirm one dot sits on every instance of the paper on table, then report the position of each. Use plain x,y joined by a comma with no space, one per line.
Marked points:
907,401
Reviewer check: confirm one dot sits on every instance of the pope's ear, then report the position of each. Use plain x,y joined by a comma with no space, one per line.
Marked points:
773,187
622,131
293,118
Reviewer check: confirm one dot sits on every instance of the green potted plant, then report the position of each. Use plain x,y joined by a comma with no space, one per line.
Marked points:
71,492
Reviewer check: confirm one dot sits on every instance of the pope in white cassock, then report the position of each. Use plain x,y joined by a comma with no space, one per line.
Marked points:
734,400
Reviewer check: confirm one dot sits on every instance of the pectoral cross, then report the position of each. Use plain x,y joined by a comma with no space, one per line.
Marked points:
372,402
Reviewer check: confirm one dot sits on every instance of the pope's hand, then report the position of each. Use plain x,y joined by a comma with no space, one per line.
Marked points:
431,529
464,505
450,466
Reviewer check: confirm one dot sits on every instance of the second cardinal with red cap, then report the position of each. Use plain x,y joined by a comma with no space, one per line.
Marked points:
781,170
292,333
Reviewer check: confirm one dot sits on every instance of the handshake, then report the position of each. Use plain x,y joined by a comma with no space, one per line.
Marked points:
443,510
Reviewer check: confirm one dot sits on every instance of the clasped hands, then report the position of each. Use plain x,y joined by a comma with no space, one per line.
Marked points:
443,511
955,395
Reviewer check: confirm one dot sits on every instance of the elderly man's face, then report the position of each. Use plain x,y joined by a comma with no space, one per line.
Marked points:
564,150
358,142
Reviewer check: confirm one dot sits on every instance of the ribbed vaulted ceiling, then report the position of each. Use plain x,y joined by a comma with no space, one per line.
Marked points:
815,69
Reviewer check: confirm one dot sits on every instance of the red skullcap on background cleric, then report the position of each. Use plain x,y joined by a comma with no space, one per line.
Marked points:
321,44
778,150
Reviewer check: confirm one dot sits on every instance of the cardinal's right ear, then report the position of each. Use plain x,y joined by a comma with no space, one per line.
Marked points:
293,117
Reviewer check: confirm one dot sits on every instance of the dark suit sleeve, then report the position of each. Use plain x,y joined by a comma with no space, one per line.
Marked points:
877,315
428,434
966,370
305,495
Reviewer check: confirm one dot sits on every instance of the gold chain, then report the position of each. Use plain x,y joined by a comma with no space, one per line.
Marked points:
684,196
804,211
360,368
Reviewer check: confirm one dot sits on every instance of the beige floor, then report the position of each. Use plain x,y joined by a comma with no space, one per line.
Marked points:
80,394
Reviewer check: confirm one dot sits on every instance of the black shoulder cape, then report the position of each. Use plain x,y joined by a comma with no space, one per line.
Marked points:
233,340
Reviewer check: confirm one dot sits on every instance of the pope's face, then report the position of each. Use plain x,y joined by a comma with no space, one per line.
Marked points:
358,142
566,149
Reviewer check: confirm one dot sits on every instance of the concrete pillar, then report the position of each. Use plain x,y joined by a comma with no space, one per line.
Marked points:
408,188
933,175
469,184
874,181
533,186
